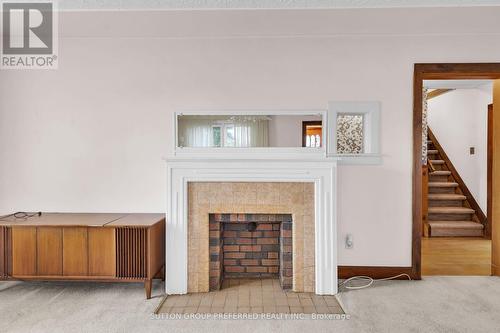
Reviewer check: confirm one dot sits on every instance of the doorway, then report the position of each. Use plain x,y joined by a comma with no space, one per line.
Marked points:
422,72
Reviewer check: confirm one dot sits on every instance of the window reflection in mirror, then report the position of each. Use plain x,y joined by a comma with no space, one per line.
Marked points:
245,131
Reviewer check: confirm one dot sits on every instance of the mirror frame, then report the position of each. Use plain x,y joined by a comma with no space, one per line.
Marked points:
253,152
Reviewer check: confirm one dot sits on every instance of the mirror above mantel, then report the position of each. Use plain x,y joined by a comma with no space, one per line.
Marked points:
247,130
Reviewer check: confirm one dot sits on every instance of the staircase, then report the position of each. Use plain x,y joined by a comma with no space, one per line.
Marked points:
449,212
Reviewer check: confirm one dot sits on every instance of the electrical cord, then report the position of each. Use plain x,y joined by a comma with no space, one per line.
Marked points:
20,215
370,280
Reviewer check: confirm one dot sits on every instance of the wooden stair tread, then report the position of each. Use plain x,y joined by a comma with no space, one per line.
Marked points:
440,173
451,210
437,162
446,196
432,151
456,224
443,184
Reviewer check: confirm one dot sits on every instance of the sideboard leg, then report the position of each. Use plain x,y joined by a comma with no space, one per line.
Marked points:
147,286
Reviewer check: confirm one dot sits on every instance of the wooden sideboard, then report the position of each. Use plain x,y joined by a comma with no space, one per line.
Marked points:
97,247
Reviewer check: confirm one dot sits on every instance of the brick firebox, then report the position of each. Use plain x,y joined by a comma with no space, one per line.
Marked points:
250,246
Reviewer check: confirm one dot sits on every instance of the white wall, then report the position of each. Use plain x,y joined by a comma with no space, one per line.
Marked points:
459,119
91,135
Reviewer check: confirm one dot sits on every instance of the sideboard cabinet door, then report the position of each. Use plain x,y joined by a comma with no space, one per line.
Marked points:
102,253
75,251
23,251
49,251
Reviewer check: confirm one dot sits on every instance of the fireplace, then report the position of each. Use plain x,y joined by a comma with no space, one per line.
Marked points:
204,191
250,246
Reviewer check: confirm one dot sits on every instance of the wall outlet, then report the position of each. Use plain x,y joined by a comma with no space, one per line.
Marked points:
349,243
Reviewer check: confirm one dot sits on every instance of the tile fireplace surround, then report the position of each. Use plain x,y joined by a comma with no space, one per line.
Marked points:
229,191
235,199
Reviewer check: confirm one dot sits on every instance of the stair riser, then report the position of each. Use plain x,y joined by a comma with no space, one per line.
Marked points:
450,217
448,232
445,203
450,190
438,178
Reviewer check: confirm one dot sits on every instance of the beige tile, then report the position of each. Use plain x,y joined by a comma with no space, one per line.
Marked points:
171,300
282,309
271,198
194,300
269,309
191,309
181,301
268,301
230,309
256,309
309,309
217,309
177,309
335,309
204,309
296,309
281,301
219,300
294,302
243,309
306,302
318,301
207,299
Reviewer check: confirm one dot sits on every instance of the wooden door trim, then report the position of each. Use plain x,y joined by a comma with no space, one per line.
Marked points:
489,209
443,71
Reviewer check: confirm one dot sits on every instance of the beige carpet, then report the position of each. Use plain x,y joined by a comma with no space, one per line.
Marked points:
253,296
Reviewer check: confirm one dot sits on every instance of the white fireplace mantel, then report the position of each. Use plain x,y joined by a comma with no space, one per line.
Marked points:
320,171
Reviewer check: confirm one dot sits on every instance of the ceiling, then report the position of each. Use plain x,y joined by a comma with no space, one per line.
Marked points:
457,84
262,4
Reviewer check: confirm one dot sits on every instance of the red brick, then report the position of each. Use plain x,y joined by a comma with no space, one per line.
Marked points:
214,234
231,248
247,234
230,262
273,255
235,255
267,241
286,233
214,273
273,269
286,248
214,249
214,226
241,217
271,233
244,241
257,234
234,269
214,265
233,217
270,262
250,248
264,226
276,226
249,262
256,269
229,233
